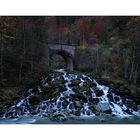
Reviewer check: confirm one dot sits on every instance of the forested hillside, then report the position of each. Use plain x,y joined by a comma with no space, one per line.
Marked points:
110,43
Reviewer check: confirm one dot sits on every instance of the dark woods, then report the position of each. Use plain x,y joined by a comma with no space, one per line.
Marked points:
108,47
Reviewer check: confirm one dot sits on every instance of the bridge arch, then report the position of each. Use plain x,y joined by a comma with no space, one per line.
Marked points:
67,52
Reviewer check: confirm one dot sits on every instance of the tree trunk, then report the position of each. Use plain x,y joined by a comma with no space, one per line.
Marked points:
22,58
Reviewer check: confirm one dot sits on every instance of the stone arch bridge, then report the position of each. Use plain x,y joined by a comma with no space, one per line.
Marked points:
66,51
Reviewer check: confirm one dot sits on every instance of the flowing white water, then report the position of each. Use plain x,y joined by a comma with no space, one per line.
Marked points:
64,106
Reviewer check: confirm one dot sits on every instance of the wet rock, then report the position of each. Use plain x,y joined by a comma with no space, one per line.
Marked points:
65,103
116,99
71,106
88,83
102,106
103,82
113,91
77,112
99,92
80,89
97,113
135,108
59,105
124,92
79,96
58,117
123,100
130,103
90,104
112,85
88,113
75,82
62,88
108,111
77,104
33,112
102,120
2,110
128,111
47,88
92,84
110,97
122,89
94,100
57,83
53,93
34,100
93,109
46,115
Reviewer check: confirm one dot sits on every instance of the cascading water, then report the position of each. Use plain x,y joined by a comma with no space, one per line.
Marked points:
85,98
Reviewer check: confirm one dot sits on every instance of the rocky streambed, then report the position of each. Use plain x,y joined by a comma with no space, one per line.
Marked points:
63,96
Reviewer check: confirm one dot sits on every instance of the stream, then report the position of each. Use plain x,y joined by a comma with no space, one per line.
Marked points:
76,99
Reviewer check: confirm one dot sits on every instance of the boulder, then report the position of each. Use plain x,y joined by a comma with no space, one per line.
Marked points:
58,117
92,84
116,99
102,106
110,97
71,106
81,89
77,112
34,100
108,111
79,96
77,104
99,92
94,100
75,82
65,103
62,88
103,82
128,111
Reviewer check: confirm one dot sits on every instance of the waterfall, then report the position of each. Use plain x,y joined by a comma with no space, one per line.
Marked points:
83,97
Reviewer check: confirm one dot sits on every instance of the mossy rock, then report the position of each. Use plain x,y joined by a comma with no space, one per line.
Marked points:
103,82
58,117
108,111
56,83
65,103
78,104
78,96
50,93
80,89
55,92
8,96
62,88
35,99
47,88
77,112
56,73
86,80
92,85
75,82
94,100
110,97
